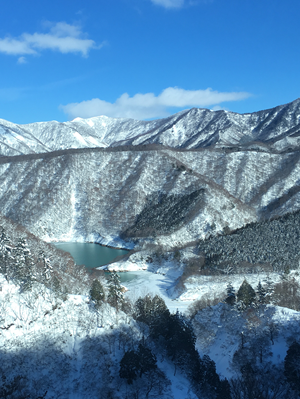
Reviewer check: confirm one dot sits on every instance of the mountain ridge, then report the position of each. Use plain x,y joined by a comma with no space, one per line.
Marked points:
278,128
110,194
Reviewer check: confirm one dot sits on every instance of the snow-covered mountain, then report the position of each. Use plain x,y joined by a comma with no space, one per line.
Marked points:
174,180
161,183
275,129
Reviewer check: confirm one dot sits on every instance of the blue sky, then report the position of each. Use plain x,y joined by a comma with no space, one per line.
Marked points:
146,58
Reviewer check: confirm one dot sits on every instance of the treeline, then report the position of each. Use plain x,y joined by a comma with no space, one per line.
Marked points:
25,260
263,246
285,293
71,151
121,148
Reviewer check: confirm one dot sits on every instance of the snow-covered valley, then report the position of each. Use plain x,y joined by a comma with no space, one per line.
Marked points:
207,202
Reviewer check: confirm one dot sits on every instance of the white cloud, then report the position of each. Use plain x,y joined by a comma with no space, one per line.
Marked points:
169,3
22,60
146,106
62,37
219,108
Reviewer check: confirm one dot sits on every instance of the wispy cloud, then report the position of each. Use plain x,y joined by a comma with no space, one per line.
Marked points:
169,3
146,106
22,60
62,37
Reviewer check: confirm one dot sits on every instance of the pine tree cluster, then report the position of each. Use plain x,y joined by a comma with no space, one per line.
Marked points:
175,334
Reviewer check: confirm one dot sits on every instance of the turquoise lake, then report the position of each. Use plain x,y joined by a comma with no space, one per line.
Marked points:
94,255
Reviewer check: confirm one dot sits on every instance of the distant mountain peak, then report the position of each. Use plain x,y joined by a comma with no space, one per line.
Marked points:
276,129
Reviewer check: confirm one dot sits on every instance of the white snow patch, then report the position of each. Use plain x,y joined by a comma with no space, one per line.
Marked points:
93,140
155,284
90,122
79,137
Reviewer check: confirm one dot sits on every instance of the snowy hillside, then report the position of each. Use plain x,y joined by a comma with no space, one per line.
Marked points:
181,196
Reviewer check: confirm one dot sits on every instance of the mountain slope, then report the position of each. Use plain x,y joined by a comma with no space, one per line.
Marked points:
230,170
108,194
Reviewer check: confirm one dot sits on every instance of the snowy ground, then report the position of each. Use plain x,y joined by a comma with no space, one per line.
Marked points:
220,334
152,278
155,284
160,278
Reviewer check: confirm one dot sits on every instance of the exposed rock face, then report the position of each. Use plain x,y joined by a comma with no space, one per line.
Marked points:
224,171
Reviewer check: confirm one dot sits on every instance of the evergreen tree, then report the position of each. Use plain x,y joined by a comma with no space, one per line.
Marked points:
143,309
136,363
230,298
269,289
46,268
129,366
159,317
292,366
159,308
248,374
59,290
152,311
182,332
97,294
147,361
19,267
5,254
115,292
261,294
23,265
180,341
246,294
223,390
211,378
55,285
196,371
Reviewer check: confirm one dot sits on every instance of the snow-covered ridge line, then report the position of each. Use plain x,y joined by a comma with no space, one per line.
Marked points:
277,129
